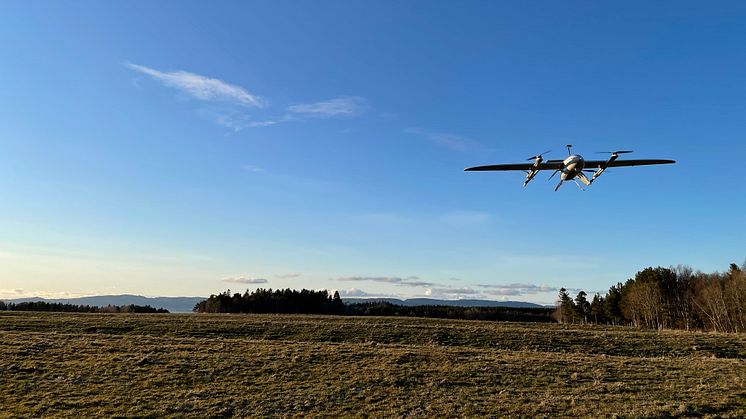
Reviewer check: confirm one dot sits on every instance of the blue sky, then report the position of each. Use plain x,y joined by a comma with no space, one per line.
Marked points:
182,148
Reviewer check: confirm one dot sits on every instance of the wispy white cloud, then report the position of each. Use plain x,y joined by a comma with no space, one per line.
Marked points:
252,168
244,280
358,293
340,107
236,121
451,293
232,114
201,87
411,281
265,122
21,293
447,140
491,291
516,289
353,292
288,275
345,106
14,293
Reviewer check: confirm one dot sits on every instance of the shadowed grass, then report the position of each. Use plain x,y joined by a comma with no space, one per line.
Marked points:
225,365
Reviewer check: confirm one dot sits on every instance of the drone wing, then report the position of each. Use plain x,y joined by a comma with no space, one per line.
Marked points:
597,164
548,165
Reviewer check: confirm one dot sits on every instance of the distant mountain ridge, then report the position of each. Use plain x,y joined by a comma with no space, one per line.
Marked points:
172,304
437,302
186,304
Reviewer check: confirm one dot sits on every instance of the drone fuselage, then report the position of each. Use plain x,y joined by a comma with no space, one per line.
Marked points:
572,166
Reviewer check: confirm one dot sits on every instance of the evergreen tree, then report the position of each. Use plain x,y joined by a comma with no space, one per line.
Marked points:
597,309
582,306
337,303
612,305
566,307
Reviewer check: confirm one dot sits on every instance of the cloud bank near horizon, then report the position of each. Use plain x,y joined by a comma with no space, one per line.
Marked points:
411,281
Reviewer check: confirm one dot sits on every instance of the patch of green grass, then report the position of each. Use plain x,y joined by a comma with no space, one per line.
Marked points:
277,365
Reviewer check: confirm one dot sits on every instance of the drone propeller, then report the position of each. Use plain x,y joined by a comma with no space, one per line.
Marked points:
538,156
614,152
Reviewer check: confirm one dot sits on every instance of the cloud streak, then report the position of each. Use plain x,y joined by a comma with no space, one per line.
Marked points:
244,280
410,281
229,101
21,293
345,106
358,293
452,292
288,275
516,289
201,87
446,140
239,122
252,168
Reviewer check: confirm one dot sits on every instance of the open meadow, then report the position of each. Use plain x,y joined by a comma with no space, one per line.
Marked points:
74,365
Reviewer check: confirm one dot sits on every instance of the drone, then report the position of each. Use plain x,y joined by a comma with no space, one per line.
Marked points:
571,168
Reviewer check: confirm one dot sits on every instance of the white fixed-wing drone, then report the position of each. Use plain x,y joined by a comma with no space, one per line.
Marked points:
571,168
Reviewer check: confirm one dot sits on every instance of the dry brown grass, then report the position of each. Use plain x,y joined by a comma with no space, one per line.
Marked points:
265,365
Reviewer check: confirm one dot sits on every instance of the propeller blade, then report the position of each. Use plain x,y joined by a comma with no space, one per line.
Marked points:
538,155
550,177
615,152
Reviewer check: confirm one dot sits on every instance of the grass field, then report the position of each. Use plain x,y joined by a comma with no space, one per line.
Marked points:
269,365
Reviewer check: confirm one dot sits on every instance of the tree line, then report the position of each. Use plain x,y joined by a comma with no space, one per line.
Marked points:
665,298
74,308
512,314
273,301
321,302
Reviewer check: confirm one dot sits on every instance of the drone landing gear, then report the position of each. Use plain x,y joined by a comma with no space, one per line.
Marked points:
558,185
